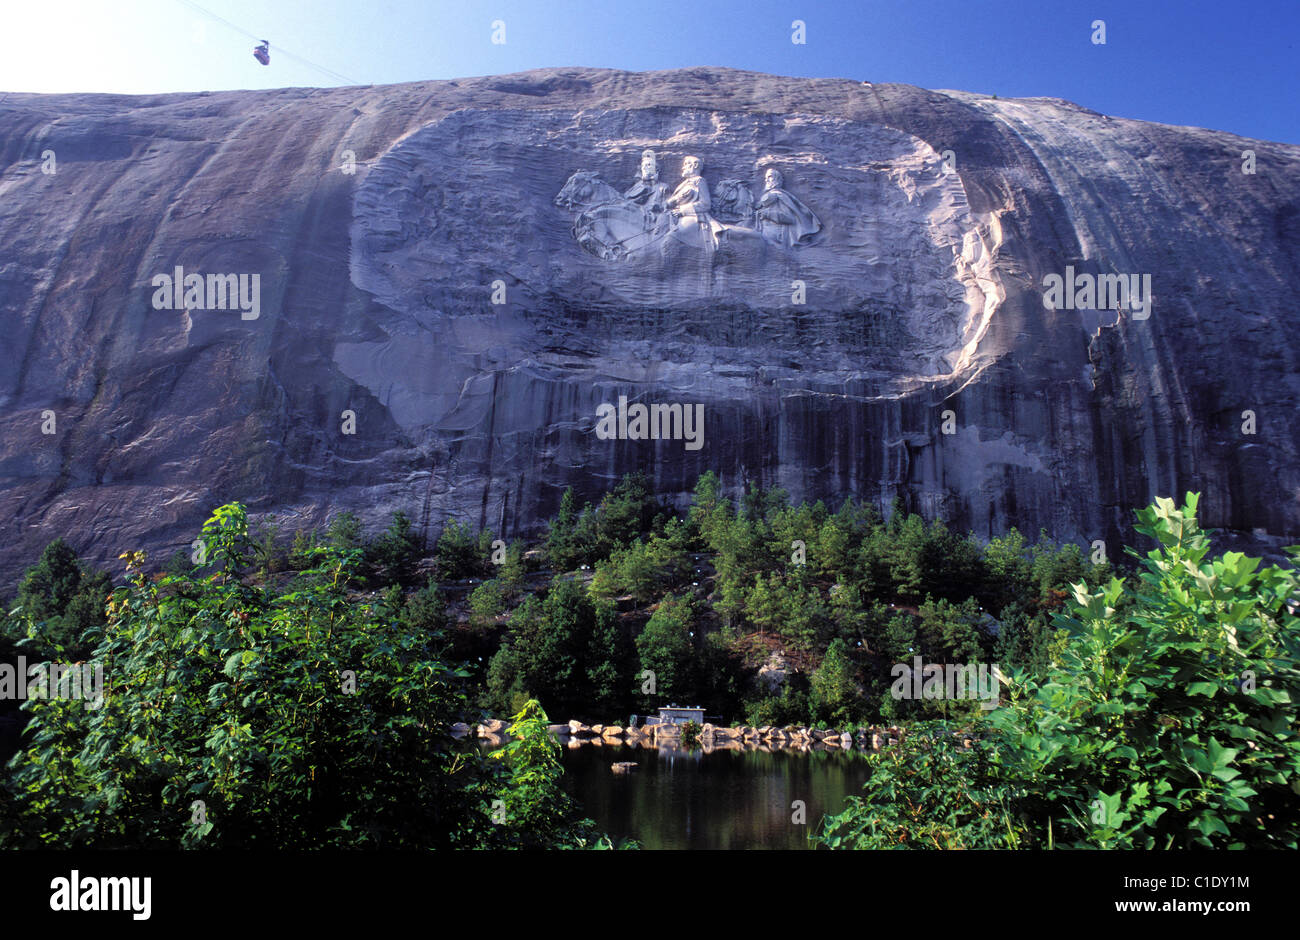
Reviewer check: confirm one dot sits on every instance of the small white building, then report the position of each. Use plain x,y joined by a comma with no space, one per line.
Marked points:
679,715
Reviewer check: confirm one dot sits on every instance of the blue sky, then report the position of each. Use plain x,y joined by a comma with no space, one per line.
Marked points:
1229,66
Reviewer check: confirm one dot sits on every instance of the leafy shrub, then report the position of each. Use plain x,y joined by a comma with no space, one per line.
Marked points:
789,708
1169,720
1164,720
929,792
534,811
301,719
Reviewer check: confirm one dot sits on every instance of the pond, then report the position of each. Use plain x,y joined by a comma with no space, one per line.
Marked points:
725,799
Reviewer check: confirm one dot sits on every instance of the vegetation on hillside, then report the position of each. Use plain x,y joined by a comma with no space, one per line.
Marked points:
245,714
305,694
1165,720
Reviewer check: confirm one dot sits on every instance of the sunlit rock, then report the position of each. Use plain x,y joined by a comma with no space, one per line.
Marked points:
855,311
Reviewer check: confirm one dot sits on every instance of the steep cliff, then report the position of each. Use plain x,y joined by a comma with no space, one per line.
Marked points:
871,320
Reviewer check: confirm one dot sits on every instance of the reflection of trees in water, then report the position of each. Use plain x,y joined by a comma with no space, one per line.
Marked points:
725,799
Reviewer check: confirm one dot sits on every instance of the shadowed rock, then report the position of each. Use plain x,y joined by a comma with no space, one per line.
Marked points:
378,220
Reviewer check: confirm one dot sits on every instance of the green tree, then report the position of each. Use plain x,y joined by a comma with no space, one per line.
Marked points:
506,674
396,552
345,533
645,569
834,696
951,633
300,719
1164,720
833,554
629,510
456,554
533,809
512,573
562,547
666,648
709,508
765,603
1008,570
266,548
561,651
487,602
58,601
426,610
608,664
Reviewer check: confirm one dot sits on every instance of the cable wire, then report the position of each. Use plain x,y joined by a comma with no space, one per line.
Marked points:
279,50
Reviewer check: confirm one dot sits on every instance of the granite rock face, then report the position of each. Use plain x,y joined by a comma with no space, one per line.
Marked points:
471,269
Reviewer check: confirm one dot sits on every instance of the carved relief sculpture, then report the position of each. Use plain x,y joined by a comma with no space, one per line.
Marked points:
614,226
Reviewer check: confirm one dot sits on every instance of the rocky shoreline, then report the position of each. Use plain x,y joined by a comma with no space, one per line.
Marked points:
711,737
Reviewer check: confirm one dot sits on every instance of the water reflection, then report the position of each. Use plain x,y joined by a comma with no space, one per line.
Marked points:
679,798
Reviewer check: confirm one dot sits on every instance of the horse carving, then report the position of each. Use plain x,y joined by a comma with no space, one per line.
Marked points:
608,224
734,203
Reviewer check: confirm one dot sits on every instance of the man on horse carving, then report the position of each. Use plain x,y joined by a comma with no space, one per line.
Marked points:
690,205
648,193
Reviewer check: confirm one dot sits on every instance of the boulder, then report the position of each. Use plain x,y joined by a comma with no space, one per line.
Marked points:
623,767
773,673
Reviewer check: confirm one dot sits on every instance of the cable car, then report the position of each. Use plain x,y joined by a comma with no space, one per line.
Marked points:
262,53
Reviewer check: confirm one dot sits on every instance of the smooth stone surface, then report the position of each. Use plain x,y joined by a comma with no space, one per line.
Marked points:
923,294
